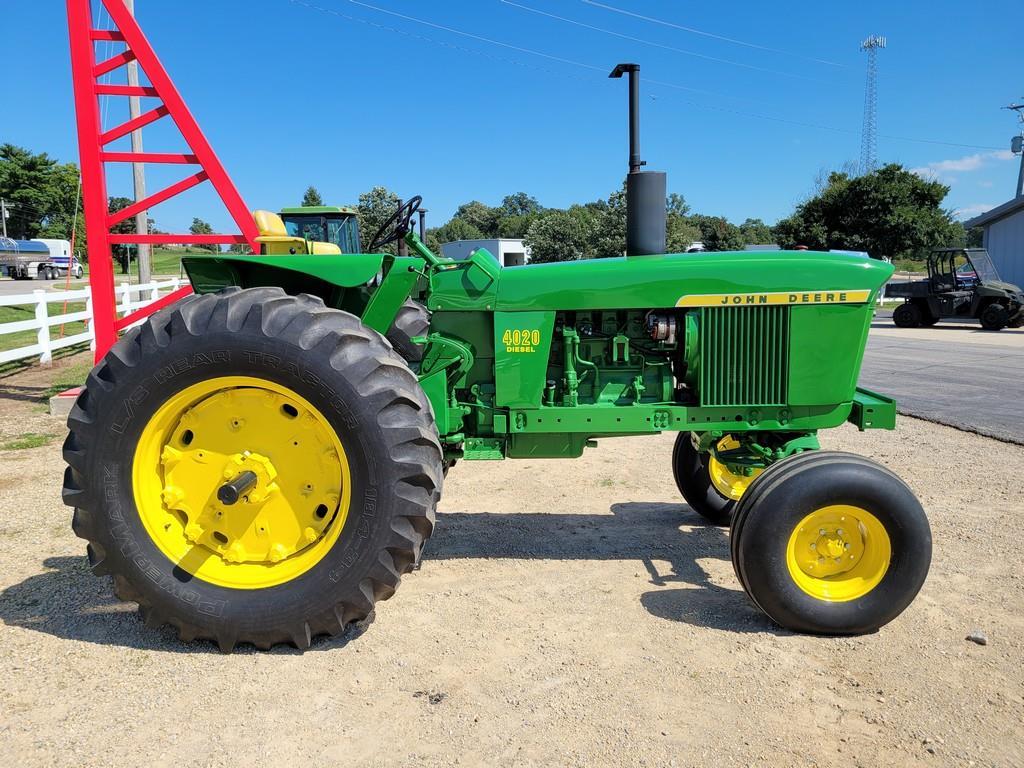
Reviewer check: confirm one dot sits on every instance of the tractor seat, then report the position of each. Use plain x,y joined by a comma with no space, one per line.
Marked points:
274,238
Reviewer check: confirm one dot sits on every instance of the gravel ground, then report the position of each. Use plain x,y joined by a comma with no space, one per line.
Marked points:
568,613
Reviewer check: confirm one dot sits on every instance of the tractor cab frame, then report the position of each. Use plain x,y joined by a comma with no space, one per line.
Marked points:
326,224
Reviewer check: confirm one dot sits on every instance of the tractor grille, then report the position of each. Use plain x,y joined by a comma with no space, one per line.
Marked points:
744,355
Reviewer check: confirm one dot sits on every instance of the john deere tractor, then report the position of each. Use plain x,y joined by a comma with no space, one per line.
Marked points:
261,462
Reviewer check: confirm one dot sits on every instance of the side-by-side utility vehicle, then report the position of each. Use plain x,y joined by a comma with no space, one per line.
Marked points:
962,283
261,462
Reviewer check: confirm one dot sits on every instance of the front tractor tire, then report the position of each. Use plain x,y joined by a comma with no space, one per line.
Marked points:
830,543
253,467
412,320
708,486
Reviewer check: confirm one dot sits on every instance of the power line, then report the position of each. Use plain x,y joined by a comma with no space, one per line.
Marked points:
602,70
656,45
470,35
477,53
694,31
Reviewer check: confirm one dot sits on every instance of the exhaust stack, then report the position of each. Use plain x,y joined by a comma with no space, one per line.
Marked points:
645,190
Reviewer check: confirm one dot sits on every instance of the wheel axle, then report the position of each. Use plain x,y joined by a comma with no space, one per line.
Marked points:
231,492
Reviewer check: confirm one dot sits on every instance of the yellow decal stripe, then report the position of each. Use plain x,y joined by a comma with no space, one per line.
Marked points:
765,299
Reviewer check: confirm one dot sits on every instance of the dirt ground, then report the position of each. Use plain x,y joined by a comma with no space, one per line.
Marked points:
567,613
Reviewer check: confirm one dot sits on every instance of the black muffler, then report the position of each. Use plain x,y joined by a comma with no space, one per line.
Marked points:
646,191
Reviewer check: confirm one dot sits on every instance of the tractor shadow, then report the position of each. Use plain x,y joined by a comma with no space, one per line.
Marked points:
651,533
68,602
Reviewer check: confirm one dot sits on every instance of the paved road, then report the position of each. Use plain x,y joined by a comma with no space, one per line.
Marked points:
10,287
954,373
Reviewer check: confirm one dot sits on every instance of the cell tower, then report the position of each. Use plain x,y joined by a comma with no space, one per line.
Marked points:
869,133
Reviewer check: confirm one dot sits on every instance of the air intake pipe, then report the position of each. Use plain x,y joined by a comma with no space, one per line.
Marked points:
645,190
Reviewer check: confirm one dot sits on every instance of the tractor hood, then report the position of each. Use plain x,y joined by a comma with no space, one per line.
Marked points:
685,279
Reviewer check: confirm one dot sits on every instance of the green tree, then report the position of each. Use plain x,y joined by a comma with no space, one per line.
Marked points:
606,234
376,207
311,198
433,241
123,254
515,226
680,234
676,205
717,233
756,232
890,212
556,236
482,217
457,229
519,204
200,227
64,215
41,191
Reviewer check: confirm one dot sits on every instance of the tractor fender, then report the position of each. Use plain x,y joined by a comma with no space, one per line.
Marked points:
214,272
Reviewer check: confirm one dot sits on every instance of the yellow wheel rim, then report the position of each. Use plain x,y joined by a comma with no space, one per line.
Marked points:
838,553
288,517
726,482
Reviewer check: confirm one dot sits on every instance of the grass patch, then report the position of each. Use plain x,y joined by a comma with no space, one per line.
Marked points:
910,265
67,377
27,338
26,441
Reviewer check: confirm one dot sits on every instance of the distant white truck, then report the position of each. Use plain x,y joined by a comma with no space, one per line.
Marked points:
38,259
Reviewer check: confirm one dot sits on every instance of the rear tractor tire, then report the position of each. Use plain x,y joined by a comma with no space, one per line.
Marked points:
708,486
253,467
830,543
907,316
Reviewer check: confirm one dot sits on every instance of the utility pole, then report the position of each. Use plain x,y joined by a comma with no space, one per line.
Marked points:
139,169
869,131
3,215
1017,146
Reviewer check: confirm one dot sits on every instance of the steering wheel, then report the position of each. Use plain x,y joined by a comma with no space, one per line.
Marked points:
396,227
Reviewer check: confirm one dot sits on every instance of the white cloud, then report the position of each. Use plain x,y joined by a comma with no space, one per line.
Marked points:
972,210
966,164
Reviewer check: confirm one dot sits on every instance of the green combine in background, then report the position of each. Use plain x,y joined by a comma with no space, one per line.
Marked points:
262,461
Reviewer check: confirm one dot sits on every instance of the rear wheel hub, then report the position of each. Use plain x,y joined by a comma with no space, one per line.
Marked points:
251,482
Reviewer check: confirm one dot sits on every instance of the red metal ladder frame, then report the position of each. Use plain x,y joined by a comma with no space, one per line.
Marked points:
92,139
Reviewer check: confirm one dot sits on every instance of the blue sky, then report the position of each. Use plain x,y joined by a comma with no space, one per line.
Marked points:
752,99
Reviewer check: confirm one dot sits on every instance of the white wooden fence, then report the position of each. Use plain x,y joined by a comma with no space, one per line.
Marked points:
129,299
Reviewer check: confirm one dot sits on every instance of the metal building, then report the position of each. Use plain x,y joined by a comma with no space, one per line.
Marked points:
1003,229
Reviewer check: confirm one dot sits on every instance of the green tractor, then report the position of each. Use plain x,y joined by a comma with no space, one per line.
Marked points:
261,462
